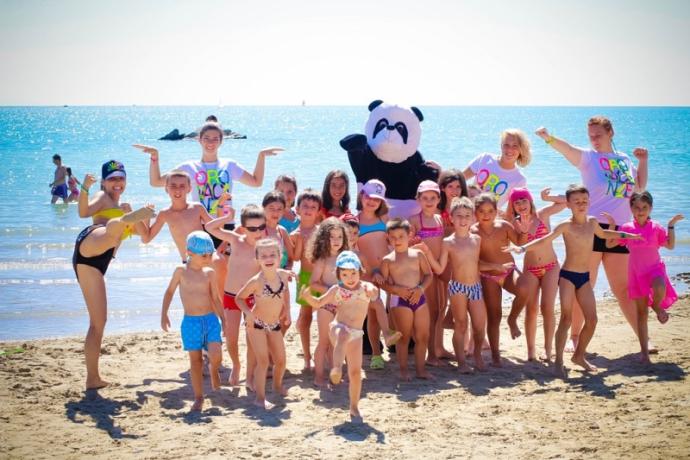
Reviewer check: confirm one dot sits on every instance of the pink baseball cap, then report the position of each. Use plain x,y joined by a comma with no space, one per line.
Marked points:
374,188
428,186
519,193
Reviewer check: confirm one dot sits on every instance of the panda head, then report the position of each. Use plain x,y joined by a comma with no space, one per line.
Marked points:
393,132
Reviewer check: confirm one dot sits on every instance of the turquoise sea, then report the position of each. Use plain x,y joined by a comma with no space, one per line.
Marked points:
39,296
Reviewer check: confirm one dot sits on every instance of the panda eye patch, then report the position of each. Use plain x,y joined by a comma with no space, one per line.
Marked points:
380,126
402,130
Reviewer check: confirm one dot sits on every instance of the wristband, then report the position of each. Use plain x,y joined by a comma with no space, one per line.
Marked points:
549,140
622,235
154,159
83,189
671,227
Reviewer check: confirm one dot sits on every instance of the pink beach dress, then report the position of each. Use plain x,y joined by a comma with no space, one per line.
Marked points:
645,263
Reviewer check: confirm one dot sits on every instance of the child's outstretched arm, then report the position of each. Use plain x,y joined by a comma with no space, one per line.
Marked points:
88,208
154,228
215,228
546,239
257,178
329,297
671,241
612,234
168,296
558,204
610,243
155,177
571,153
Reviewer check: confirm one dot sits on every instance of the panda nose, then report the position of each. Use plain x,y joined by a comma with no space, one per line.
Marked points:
390,127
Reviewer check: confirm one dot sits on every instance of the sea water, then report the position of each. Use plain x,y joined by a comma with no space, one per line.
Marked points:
39,295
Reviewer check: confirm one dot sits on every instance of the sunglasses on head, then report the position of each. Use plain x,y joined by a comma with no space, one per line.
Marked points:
257,228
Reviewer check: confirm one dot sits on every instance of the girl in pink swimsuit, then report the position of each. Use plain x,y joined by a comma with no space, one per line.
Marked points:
648,283
427,227
540,268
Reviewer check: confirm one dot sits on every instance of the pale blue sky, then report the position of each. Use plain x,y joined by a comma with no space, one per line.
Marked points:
427,52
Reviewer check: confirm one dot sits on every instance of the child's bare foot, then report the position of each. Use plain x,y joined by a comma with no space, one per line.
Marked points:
582,362
249,385
570,345
234,378
514,328
434,362
355,416
405,376
545,357
445,354
559,370
661,315
486,345
307,364
496,361
425,375
264,404
319,383
644,359
198,404
282,391
96,384
336,375
531,358
138,215
653,349
465,369
392,337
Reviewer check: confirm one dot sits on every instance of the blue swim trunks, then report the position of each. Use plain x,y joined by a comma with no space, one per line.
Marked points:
60,190
199,331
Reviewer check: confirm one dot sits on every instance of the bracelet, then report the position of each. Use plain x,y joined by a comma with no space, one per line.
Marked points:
671,227
83,189
549,140
622,235
154,159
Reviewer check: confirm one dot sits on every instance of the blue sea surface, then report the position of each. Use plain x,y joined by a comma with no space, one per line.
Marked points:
39,295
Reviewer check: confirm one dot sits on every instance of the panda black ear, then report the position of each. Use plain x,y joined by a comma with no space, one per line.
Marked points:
418,113
375,104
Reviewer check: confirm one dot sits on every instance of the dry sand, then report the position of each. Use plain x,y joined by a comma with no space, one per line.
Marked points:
520,411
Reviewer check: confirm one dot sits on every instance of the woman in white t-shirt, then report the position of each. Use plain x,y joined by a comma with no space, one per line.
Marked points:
611,177
500,175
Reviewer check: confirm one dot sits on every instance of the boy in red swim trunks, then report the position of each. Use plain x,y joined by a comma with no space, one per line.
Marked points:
410,274
242,265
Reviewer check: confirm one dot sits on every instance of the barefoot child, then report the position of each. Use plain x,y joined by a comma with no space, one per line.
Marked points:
427,227
462,250
495,234
540,268
373,246
329,240
335,194
242,265
264,315
95,248
648,285
308,205
352,298
182,217
408,276
574,283
201,302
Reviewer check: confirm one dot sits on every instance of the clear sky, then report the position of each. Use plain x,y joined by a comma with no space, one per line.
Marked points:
422,52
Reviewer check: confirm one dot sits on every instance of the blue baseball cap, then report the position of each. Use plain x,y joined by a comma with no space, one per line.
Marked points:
199,242
348,259
113,168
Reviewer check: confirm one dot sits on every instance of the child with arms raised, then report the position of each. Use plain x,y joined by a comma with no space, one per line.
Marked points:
540,268
574,283
265,314
242,265
648,285
408,276
329,240
308,205
201,302
352,298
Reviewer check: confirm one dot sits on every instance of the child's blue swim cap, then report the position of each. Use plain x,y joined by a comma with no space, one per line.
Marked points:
199,242
348,259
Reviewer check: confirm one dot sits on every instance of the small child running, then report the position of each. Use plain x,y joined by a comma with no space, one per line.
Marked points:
574,282
648,285
352,296
268,312
200,327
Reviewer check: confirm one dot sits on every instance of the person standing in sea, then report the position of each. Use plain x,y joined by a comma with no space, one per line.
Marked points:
611,178
211,177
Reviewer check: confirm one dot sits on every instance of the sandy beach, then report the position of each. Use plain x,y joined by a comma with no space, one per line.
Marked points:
520,411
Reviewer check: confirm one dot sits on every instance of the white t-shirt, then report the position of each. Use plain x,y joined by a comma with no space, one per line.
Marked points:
610,179
210,180
490,177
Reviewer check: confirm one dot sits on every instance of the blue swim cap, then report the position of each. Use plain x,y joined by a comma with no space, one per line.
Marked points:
199,242
348,259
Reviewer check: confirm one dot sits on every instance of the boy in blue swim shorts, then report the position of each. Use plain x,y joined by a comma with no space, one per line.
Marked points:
200,326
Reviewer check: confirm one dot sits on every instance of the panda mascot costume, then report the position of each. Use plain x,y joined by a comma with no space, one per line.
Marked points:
388,152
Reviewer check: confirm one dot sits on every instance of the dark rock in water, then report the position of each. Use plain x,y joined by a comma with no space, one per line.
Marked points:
685,277
173,135
227,134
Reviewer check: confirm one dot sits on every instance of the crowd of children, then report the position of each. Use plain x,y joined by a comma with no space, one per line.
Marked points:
403,280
